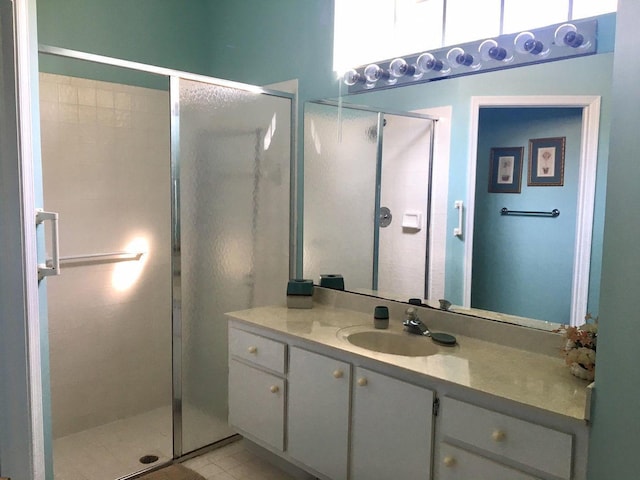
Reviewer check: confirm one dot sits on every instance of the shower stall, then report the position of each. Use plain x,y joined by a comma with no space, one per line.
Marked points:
367,177
174,194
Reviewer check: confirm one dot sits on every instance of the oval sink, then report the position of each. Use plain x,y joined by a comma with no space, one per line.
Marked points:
395,343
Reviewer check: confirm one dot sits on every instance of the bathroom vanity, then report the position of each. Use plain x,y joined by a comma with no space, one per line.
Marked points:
481,409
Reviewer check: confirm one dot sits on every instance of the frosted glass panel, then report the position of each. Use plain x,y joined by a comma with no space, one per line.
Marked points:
234,233
339,196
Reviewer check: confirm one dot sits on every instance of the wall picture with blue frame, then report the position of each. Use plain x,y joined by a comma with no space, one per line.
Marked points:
546,162
505,169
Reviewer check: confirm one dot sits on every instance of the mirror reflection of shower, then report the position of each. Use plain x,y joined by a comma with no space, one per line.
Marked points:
380,163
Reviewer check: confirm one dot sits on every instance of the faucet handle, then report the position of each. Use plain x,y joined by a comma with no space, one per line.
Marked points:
411,317
411,313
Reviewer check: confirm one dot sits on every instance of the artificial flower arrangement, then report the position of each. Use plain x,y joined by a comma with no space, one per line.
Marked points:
580,349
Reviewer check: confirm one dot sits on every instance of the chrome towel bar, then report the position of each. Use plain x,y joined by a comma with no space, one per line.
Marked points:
527,213
104,257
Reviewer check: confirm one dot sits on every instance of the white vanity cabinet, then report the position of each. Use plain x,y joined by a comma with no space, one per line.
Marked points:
318,412
392,428
343,416
257,386
502,446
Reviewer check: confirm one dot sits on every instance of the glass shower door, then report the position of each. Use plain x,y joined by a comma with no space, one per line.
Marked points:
340,167
231,234
105,169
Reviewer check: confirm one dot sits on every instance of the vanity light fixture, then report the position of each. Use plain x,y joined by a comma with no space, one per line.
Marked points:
555,42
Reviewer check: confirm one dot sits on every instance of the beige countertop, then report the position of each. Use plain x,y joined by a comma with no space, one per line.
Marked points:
529,378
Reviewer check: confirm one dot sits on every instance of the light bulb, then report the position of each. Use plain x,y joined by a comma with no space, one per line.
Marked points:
427,62
399,68
372,73
457,57
490,50
567,35
526,42
351,77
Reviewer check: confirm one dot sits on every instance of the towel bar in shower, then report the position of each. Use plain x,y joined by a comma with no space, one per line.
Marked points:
528,213
105,257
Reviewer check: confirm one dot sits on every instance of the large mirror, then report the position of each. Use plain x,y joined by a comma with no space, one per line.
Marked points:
533,270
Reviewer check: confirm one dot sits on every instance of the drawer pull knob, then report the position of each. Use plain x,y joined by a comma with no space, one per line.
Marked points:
338,373
274,389
362,382
449,461
252,349
498,435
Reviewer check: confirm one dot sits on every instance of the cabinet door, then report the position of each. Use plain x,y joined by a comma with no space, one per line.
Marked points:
319,412
392,429
455,464
256,403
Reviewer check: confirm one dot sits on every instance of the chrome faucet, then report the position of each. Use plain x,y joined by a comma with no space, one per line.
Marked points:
413,324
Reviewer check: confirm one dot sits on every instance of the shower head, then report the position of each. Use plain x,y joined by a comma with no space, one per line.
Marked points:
372,131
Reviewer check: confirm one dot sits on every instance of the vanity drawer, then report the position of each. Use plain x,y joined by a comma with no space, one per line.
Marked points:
455,464
538,447
259,350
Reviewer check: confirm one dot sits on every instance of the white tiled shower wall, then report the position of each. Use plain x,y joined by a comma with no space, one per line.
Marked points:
405,180
106,170
405,174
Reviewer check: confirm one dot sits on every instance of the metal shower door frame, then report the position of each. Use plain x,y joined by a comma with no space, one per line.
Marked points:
174,77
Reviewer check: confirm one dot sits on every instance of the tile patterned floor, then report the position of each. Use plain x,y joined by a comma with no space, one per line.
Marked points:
235,462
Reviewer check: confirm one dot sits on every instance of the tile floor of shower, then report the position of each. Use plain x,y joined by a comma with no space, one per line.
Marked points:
113,450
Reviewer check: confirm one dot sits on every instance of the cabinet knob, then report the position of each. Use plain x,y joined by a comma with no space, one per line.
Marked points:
449,461
252,349
274,389
362,382
498,435
338,373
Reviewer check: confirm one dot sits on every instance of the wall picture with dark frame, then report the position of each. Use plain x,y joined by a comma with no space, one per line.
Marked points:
505,169
546,162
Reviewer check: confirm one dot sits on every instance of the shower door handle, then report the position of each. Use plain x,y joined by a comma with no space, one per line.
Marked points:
44,270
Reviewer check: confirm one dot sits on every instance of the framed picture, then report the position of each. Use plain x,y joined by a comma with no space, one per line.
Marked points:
505,169
546,162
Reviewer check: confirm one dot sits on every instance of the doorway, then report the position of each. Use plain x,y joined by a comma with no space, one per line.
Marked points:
586,183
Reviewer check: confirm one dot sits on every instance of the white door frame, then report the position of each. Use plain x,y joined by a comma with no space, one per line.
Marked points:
22,443
590,105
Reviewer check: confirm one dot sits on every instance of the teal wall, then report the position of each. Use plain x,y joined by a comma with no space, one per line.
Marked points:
262,42
616,422
512,256
165,33
168,33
